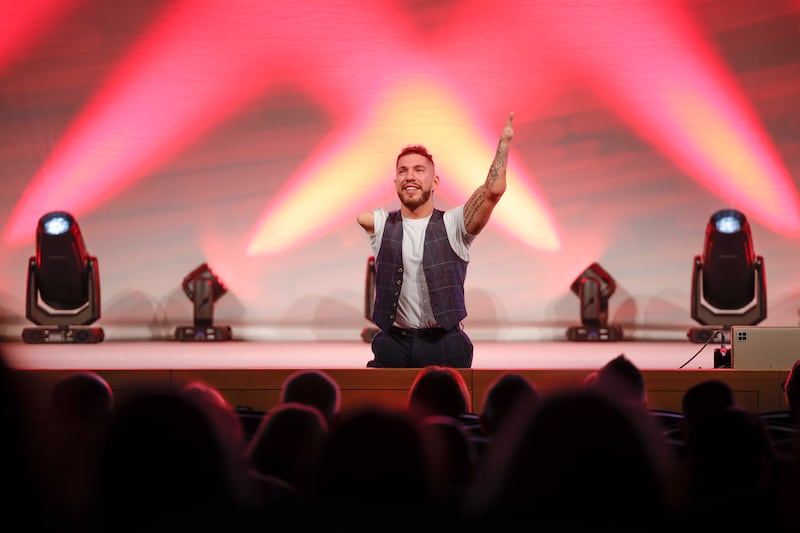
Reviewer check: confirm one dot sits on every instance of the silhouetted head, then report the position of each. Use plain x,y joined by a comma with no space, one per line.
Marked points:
315,388
791,388
287,442
706,397
439,390
623,379
503,395
83,396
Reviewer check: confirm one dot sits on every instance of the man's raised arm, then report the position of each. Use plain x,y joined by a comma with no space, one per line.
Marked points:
478,208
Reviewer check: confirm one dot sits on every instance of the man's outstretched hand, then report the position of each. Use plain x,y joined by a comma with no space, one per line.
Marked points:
508,131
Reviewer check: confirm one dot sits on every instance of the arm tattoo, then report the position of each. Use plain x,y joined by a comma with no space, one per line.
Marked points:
476,200
498,165
500,162
472,205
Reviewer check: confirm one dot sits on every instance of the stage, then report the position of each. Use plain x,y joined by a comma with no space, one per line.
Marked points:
235,354
250,373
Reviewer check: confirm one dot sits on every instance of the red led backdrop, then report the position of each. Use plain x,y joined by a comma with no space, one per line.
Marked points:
248,135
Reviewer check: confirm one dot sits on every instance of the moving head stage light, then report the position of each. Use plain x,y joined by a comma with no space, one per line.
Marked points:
729,285
203,288
63,285
594,286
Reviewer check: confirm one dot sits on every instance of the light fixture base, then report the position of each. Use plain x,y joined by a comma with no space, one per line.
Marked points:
203,333
709,334
71,335
594,333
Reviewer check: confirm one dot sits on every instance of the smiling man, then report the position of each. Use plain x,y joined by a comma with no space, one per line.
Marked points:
421,257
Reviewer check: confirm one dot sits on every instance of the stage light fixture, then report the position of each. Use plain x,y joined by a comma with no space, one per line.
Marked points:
594,286
728,279
203,288
63,285
369,332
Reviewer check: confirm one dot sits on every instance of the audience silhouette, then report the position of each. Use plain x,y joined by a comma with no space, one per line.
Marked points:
622,378
791,394
229,429
784,424
284,450
704,398
442,391
315,388
576,459
70,435
456,454
166,458
166,466
504,393
22,496
376,472
733,471
439,390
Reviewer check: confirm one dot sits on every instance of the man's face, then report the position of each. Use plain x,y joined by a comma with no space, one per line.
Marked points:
415,180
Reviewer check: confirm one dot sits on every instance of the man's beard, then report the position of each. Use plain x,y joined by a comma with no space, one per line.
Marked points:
416,202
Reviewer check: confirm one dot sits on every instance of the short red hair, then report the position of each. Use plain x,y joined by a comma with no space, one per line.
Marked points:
415,149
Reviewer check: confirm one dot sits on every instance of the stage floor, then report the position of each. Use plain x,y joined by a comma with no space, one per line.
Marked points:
275,355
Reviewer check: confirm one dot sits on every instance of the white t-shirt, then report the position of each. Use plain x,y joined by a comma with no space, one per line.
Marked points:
414,308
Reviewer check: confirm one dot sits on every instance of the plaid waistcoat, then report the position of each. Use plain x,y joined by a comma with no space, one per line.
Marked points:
444,270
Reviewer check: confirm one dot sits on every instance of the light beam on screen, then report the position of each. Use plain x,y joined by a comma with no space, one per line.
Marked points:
346,170
205,59
143,115
201,62
662,77
22,22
